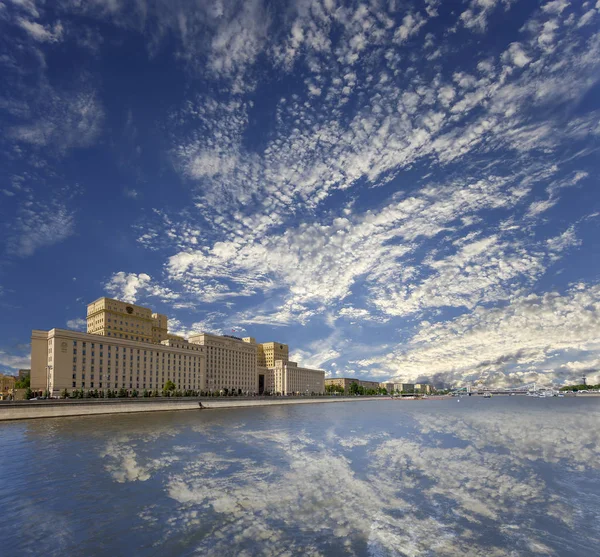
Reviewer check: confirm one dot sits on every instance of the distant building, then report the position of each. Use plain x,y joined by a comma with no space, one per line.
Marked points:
389,387
23,373
404,387
345,383
7,385
423,388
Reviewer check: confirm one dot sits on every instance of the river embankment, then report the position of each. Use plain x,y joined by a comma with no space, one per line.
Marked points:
27,410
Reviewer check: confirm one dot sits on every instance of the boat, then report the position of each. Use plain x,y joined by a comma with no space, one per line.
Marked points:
487,395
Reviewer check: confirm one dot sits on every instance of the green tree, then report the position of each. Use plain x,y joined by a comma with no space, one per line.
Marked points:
134,393
28,393
24,383
64,394
122,393
168,388
354,388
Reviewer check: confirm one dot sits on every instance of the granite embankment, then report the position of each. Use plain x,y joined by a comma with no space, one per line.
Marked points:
26,410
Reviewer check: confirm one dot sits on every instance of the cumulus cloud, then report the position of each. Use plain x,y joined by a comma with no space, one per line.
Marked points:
130,286
530,338
42,33
77,324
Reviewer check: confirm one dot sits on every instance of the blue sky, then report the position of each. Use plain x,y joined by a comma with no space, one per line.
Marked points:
396,189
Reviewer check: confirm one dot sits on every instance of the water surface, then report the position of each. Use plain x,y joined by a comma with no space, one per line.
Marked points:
505,476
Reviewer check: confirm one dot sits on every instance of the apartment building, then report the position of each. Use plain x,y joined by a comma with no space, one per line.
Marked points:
389,387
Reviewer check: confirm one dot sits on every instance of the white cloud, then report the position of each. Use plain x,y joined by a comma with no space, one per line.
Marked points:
42,33
77,324
516,55
39,225
529,338
14,361
61,121
128,287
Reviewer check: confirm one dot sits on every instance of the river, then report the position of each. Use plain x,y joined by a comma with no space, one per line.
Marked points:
470,477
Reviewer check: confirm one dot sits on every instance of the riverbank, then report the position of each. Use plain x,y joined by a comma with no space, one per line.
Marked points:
28,410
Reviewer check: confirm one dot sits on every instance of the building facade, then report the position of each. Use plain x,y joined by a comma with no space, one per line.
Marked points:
7,385
389,387
129,347
63,359
423,388
230,363
270,352
346,382
289,379
113,318
404,387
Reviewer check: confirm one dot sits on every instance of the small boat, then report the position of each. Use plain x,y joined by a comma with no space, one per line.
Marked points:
487,395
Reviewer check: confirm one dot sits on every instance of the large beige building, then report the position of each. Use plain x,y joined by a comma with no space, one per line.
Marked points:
270,352
117,319
128,346
63,359
230,363
289,379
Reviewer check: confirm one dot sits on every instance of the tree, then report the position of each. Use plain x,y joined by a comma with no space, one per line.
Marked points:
28,393
24,383
134,393
64,394
354,388
168,388
122,393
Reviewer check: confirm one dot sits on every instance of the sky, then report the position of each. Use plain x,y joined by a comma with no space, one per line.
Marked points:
398,190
